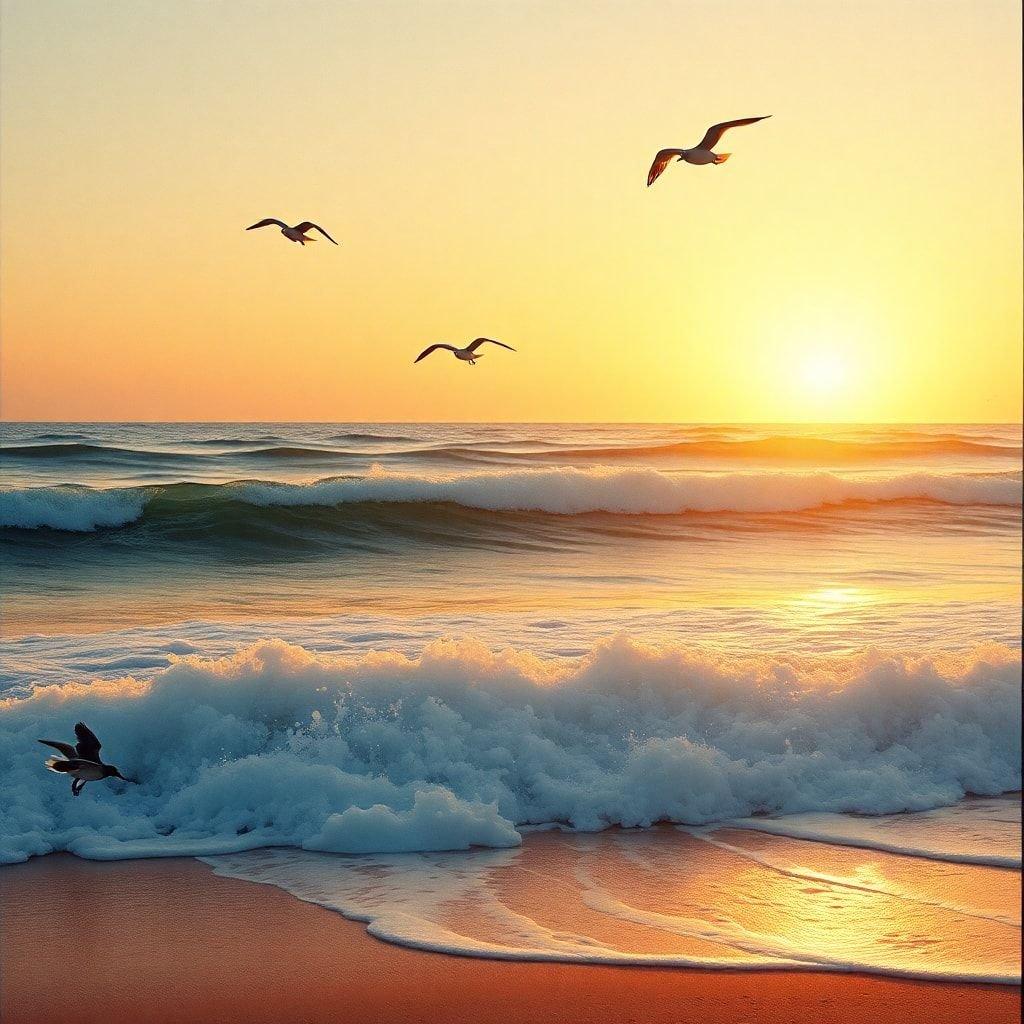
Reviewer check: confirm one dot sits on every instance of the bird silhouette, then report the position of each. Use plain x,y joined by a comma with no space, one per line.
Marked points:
702,152
468,354
296,233
82,760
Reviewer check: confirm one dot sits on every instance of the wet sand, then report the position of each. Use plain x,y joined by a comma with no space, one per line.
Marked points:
168,941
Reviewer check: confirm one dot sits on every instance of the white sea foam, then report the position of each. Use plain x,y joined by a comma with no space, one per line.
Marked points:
276,746
963,835
651,898
571,491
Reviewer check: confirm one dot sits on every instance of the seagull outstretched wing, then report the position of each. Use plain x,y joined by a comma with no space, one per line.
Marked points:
307,224
716,131
477,342
661,161
65,748
88,746
433,348
266,223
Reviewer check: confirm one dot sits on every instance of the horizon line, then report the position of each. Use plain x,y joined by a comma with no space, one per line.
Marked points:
559,422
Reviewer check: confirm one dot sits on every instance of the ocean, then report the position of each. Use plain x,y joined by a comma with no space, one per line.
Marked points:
717,695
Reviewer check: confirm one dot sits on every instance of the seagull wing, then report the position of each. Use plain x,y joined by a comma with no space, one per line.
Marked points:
716,131
65,748
307,224
266,223
88,747
433,348
661,161
476,343
76,764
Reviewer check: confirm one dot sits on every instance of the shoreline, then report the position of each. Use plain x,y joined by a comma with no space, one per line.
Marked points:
168,940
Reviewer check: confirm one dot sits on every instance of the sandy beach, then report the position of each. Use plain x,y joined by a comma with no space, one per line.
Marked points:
167,940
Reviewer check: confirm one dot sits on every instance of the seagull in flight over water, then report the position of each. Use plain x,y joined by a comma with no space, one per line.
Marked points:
295,234
702,152
82,760
468,354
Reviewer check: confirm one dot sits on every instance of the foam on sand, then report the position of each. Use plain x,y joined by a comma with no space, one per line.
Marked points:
967,834
656,897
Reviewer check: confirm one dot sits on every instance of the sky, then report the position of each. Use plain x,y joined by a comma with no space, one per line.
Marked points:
484,166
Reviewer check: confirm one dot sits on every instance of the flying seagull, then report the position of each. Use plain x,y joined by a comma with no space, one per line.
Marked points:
82,760
468,354
701,153
295,234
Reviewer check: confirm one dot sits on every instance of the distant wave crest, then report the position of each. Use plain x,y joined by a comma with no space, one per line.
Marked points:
796,448
643,491
564,491
780,448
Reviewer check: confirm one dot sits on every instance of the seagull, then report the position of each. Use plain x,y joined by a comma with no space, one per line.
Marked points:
701,153
295,234
468,354
81,761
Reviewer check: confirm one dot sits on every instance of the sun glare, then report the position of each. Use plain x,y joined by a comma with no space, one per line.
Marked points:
821,356
823,372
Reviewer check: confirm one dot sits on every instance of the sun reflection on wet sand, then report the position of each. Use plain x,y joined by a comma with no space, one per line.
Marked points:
714,898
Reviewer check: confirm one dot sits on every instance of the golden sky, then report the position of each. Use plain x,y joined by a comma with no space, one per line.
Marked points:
483,163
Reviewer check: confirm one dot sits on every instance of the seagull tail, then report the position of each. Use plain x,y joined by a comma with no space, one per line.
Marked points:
56,764
720,158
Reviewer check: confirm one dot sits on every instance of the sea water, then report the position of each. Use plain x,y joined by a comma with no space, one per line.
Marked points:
374,644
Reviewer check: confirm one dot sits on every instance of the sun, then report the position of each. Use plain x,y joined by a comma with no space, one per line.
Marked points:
823,372
819,359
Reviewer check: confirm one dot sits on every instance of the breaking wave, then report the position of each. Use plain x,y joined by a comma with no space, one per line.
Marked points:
463,746
564,491
74,509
